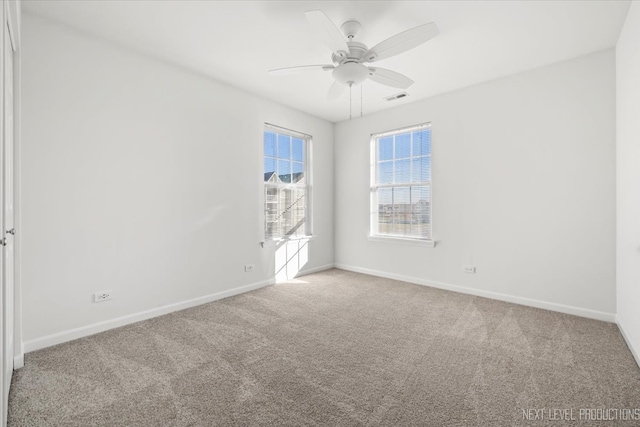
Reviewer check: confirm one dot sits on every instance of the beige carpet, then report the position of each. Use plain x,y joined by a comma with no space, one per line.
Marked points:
333,349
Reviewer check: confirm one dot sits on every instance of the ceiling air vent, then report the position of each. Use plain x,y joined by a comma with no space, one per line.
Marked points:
397,96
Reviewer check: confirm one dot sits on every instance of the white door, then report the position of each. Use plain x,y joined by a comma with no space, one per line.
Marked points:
5,376
8,230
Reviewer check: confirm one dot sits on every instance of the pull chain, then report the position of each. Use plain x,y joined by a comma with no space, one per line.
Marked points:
361,99
350,107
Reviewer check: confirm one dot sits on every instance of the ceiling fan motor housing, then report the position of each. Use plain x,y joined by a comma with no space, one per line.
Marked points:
356,51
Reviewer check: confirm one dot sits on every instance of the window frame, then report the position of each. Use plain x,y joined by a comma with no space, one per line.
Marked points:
307,186
374,235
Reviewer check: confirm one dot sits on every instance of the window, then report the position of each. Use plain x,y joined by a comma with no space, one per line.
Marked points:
401,183
286,183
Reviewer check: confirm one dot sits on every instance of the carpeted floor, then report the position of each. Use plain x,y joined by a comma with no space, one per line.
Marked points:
334,349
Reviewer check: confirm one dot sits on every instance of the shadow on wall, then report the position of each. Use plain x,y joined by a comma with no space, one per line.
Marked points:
291,257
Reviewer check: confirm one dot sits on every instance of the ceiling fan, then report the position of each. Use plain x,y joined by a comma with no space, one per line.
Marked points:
349,56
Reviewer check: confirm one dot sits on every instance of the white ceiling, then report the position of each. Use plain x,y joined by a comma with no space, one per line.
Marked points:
237,42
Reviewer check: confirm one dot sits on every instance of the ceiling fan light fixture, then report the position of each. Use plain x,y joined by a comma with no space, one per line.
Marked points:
350,73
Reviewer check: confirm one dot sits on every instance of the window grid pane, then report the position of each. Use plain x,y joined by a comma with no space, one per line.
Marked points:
402,205
285,180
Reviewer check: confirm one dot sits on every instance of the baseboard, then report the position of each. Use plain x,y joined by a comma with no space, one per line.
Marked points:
72,334
568,309
18,361
306,271
636,354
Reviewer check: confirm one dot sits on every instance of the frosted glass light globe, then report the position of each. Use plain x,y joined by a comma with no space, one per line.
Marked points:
350,73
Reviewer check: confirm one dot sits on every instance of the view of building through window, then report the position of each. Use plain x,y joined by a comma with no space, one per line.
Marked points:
401,183
286,184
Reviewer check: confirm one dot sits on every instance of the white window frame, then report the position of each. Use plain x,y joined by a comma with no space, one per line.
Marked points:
307,160
374,187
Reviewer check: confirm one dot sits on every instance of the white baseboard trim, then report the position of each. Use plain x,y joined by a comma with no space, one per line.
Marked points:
636,354
567,309
83,331
18,361
306,271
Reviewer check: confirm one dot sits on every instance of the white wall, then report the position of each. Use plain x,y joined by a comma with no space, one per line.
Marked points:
142,178
628,178
523,188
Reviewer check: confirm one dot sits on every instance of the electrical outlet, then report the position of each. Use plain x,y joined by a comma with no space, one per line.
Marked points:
101,296
249,267
469,269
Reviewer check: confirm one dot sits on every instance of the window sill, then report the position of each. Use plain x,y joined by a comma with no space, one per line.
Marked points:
403,241
278,242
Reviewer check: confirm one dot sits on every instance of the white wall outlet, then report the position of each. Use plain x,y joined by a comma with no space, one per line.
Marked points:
469,269
101,296
249,267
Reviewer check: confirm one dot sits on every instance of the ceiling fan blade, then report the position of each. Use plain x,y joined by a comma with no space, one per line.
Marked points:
335,91
401,42
328,31
291,70
389,78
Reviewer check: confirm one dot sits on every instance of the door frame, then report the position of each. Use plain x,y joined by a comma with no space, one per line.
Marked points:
8,144
11,11
12,18
14,21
